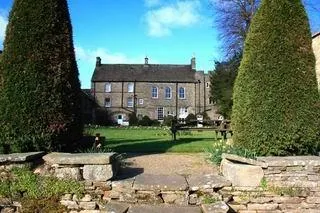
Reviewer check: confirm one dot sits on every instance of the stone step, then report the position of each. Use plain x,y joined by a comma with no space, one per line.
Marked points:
163,209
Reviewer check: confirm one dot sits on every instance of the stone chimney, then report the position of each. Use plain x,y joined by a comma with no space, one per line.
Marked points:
98,62
146,60
193,63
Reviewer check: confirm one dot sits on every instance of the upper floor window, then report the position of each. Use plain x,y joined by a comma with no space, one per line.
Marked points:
182,92
130,102
107,102
130,87
154,92
107,87
168,93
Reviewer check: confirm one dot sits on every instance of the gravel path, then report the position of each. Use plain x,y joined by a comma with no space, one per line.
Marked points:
169,163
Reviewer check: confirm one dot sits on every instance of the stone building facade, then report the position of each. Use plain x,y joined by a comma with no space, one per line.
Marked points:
154,90
316,50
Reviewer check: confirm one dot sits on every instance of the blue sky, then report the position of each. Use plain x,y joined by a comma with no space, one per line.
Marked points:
125,31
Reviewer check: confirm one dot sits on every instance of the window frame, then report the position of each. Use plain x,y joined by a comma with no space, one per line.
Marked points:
130,87
170,93
152,92
184,93
107,87
105,102
159,111
131,102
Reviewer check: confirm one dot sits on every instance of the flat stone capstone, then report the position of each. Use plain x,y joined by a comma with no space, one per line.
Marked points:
79,158
20,157
151,182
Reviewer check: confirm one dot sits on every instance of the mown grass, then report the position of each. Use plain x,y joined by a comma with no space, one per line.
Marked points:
158,140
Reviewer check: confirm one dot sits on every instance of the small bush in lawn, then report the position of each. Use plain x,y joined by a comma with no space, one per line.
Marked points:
167,120
191,119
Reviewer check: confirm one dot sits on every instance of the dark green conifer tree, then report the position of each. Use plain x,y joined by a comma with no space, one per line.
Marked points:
276,107
40,97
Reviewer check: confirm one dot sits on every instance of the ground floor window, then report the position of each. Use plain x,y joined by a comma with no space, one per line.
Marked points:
107,102
130,102
160,113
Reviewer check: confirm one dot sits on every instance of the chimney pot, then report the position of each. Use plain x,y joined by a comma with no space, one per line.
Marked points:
193,63
146,60
98,62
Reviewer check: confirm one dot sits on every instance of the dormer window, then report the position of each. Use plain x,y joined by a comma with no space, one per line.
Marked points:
107,87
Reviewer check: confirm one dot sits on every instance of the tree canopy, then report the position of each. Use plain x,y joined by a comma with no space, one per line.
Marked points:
40,97
276,107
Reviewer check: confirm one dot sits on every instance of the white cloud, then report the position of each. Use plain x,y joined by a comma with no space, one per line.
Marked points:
107,57
163,20
3,25
152,3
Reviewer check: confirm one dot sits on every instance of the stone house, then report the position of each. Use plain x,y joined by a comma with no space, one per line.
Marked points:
154,90
316,50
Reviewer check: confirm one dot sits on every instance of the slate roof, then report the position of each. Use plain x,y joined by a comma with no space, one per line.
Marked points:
143,73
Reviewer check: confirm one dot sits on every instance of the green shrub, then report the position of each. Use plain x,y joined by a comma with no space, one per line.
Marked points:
145,121
133,120
23,183
219,147
40,105
191,119
276,107
167,120
48,205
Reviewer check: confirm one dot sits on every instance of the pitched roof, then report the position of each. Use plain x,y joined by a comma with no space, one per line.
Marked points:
143,73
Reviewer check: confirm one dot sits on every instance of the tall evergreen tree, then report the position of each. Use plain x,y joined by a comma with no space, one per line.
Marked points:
222,81
276,108
40,98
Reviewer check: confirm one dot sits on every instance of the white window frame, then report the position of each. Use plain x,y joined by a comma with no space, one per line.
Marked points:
141,101
180,93
166,93
107,87
130,102
160,113
154,92
130,87
107,104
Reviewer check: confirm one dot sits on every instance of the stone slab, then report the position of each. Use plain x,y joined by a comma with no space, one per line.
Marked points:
208,181
79,158
68,173
291,161
114,207
20,157
97,172
163,209
218,207
242,175
146,182
237,158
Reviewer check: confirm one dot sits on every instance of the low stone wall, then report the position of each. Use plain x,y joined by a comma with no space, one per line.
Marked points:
84,166
288,184
268,184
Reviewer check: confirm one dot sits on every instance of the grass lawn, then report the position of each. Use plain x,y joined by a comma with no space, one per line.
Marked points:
154,139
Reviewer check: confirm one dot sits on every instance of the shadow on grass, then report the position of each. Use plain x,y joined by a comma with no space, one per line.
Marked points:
146,146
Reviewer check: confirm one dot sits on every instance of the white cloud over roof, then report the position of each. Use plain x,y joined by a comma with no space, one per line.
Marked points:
162,20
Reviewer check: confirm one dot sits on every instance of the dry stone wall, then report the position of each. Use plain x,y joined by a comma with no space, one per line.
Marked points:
277,184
